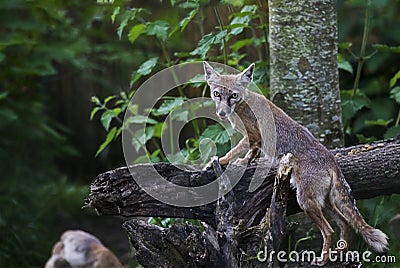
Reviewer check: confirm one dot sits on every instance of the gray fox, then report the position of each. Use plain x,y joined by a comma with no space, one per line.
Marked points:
320,185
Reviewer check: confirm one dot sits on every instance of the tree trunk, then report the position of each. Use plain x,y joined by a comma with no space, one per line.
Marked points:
304,73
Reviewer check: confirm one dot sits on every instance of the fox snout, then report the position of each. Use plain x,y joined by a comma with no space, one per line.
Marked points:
223,111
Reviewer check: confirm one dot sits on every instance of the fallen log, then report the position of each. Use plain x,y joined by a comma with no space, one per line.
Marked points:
371,170
237,229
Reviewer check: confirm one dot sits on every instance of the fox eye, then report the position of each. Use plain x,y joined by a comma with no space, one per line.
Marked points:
216,94
235,95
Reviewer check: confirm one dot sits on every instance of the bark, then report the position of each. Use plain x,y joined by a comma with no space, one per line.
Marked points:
279,200
225,217
304,74
182,245
371,170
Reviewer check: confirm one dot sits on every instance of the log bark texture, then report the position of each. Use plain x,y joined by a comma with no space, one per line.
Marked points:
371,170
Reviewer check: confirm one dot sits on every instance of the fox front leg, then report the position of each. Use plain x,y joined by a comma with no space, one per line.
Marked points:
249,157
242,146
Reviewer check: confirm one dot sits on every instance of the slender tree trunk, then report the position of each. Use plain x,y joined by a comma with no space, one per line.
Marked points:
304,74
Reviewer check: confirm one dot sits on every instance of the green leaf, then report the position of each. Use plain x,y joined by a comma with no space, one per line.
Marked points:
394,79
392,132
114,14
159,28
144,69
95,100
217,133
133,108
94,111
127,16
109,138
344,64
141,136
242,19
140,119
136,31
241,43
207,41
106,100
236,26
351,104
106,118
147,66
362,139
122,26
344,45
183,23
134,78
386,48
168,105
117,111
236,3
395,94
379,122
158,128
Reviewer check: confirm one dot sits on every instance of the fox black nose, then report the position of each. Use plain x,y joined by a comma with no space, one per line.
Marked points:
222,113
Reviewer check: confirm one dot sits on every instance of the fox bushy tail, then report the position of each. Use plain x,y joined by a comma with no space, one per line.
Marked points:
375,238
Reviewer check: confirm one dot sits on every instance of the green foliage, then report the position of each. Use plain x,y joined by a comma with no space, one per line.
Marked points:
371,109
378,212
352,102
38,38
144,28
369,74
168,222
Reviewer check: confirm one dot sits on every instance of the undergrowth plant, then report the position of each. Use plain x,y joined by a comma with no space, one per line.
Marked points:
226,42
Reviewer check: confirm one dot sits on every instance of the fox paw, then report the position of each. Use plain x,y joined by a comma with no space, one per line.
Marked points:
241,162
209,165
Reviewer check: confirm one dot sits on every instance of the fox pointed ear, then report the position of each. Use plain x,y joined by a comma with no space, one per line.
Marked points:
247,75
209,72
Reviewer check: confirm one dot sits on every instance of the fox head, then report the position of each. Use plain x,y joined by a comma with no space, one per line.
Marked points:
227,90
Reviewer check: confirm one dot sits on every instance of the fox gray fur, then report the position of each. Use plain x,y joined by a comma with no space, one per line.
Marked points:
321,186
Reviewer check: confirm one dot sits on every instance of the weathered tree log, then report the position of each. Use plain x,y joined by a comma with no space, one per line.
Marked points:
279,199
233,232
371,170
225,217
181,245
